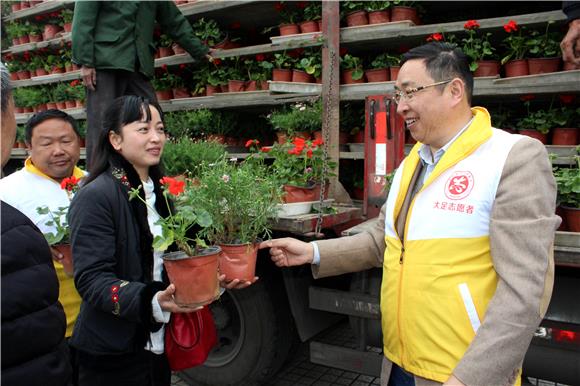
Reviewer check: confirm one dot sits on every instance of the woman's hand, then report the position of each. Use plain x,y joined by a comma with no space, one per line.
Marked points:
167,301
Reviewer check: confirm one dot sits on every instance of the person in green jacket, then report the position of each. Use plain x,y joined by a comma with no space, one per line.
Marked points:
112,41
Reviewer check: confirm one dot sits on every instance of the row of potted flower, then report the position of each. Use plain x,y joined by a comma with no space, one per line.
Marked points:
42,27
16,6
61,96
42,62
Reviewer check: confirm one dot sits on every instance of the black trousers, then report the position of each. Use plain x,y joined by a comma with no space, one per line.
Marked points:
138,369
111,84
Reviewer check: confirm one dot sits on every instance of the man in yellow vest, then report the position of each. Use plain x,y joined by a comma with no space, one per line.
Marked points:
465,237
53,143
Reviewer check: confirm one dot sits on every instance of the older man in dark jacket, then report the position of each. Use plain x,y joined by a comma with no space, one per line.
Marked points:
112,41
34,352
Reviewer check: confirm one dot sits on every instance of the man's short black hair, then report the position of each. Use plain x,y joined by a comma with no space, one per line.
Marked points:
42,116
443,61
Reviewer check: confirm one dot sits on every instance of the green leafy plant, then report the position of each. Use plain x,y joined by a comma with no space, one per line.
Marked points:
176,228
61,92
313,11
208,31
476,47
515,43
165,41
352,6
354,63
287,12
301,116
568,181
14,30
540,120
241,199
166,80
544,45
385,60
186,156
67,16
373,6
311,63
218,73
283,60
76,91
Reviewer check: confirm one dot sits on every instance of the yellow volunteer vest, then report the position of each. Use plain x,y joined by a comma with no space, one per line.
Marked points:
436,289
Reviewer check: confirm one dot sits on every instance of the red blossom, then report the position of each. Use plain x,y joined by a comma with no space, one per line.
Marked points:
343,51
260,57
217,62
528,97
251,142
317,142
265,149
309,153
70,184
301,4
182,66
299,142
567,98
235,25
279,6
435,37
471,24
75,83
173,185
511,26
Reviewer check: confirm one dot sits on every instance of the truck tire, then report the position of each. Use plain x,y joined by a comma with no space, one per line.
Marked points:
255,333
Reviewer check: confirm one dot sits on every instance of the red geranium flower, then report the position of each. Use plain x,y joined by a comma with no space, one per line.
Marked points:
309,153
435,37
299,142
279,6
317,142
251,142
164,67
217,62
527,97
511,26
173,185
567,98
265,149
260,57
471,24
70,184
182,66
75,83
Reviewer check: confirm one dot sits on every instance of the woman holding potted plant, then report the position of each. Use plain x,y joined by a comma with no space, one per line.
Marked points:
126,298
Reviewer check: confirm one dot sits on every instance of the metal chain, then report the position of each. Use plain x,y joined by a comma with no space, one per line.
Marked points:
318,228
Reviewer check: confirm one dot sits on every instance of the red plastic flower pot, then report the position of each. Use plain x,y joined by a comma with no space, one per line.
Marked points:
487,68
394,72
16,7
50,30
377,75
250,85
22,75
61,105
281,75
565,136
210,90
309,26
235,85
301,77
401,13
79,104
57,70
543,65
294,194
289,29
68,67
238,261
572,218
165,51
24,39
516,68
67,27
378,17
535,134
181,92
51,105
219,138
347,78
35,38
194,277
70,104
164,95
177,49
357,18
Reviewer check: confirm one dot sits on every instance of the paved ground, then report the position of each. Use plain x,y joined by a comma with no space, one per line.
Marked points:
298,371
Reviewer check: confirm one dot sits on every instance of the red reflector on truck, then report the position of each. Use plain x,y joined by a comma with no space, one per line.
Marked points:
565,336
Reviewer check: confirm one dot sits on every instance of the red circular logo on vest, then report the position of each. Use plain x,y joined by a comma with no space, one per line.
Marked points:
459,185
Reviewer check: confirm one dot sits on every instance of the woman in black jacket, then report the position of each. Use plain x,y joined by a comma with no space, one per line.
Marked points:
126,298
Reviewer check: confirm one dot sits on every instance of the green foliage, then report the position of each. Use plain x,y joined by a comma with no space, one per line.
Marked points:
352,118
58,220
544,45
477,47
567,117
20,133
352,6
208,31
14,30
313,11
288,13
372,6
516,46
186,156
311,63
61,92
67,16
568,181
350,62
27,96
241,199
165,41
385,60
283,60
166,80
298,117
82,127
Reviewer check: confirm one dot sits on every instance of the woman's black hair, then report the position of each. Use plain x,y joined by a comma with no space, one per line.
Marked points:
122,111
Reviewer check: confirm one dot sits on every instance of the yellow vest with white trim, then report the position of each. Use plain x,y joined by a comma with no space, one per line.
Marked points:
438,282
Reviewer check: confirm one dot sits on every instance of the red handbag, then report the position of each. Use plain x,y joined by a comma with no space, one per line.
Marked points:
189,338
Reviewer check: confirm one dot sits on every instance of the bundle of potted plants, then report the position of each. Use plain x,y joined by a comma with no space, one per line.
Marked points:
60,93
565,131
241,199
289,18
478,49
283,64
568,180
210,33
164,83
544,51
193,267
66,19
217,77
15,30
379,71
258,72
378,11
537,124
35,32
60,240
352,70
76,93
164,46
517,48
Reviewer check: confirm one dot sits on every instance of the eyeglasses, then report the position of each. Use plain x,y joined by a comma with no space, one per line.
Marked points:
408,93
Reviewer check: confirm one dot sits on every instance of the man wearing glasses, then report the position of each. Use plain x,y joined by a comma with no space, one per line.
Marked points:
465,237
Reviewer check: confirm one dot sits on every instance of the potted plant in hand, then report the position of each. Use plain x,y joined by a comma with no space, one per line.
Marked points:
378,11
56,219
544,51
514,60
568,181
352,71
477,49
241,199
194,259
